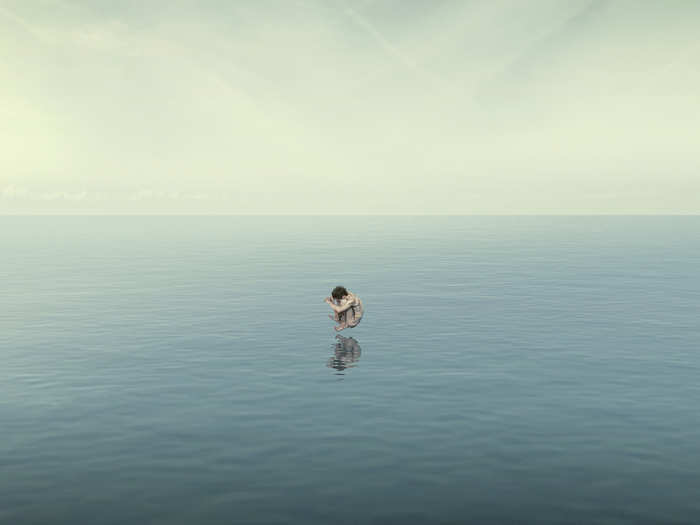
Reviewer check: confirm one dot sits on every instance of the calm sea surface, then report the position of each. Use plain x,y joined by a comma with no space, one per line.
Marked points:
183,370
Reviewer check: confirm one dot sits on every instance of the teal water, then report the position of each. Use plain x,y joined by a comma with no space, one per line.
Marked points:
173,370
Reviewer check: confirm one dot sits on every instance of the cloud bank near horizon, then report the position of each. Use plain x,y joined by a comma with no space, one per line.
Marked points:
384,106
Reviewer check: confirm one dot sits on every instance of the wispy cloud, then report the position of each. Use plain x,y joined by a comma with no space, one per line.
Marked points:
13,192
24,25
160,195
389,48
63,195
384,43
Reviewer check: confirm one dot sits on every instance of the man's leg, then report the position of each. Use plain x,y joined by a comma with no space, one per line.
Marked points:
342,321
339,317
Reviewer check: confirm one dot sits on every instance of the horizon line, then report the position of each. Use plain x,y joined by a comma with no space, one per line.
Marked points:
228,214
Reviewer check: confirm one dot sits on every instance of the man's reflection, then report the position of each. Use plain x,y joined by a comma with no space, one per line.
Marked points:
347,353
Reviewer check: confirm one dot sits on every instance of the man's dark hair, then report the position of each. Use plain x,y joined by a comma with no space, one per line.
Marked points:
339,292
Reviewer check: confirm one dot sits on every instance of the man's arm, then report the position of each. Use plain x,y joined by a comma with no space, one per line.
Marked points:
340,308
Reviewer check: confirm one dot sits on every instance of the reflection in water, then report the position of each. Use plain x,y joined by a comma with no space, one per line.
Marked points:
347,353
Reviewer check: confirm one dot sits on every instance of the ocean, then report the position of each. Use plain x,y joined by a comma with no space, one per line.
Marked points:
183,370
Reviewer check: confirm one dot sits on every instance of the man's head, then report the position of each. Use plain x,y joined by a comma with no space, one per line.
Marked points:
339,292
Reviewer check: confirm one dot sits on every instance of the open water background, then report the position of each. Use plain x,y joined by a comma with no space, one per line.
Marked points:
172,370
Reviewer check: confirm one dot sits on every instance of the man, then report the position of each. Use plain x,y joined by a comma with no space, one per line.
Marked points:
347,306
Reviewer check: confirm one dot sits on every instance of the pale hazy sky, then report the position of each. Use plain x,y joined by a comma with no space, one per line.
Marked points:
342,106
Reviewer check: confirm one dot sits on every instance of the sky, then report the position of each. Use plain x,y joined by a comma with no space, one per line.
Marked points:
350,107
